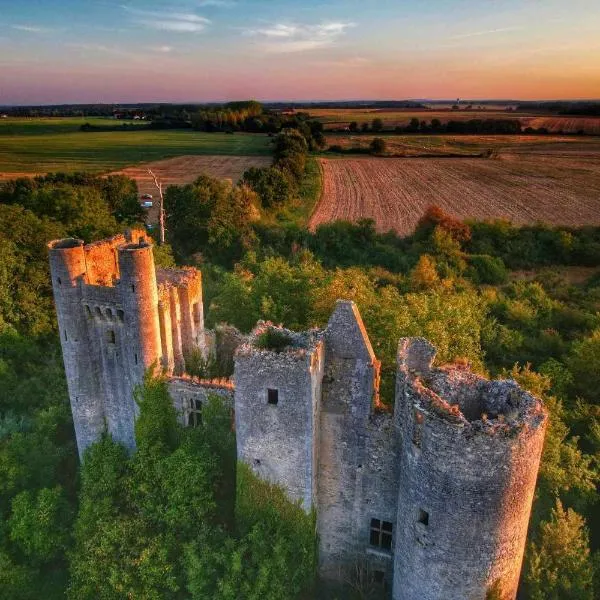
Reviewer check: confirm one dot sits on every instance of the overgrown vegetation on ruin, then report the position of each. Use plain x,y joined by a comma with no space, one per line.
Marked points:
519,302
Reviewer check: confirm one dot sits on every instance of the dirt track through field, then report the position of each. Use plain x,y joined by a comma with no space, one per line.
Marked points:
395,192
185,169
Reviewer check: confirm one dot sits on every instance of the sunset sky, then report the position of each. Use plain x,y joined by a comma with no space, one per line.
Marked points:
54,51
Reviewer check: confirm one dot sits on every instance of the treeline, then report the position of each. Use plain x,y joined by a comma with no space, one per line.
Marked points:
218,219
471,126
582,107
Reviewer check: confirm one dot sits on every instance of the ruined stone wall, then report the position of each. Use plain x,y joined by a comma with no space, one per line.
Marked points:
181,316
357,464
187,392
470,451
277,440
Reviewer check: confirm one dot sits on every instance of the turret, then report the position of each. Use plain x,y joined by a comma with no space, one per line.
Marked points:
68,271
139,298
469,457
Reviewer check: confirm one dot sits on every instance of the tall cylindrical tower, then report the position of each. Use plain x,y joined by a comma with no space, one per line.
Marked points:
470,451
139,297
68,270
138,344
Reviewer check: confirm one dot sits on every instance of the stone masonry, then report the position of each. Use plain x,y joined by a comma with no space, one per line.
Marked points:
431,500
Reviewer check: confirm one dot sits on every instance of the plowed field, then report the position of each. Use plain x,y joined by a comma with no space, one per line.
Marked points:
336,118
395,192
185,169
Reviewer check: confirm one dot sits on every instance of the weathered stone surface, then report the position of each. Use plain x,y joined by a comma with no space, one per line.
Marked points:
451,473
469,456
113,327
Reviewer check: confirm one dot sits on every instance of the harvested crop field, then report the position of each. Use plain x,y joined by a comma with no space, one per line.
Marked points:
395,192
336,118
185,169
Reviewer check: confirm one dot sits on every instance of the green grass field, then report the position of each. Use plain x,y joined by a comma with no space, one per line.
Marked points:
45,145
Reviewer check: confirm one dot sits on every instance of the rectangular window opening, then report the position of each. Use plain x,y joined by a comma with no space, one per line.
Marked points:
423,517
194,413
272,396
110,337
379,577
135,358
380,534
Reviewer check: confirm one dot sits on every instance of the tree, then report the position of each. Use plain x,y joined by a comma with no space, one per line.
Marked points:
559,565
353,126
271,185
424,276
377,125
378,146
39,524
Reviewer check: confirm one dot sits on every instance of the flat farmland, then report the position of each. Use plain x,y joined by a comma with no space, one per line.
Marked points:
337,118
557,189
470,145
30,146
185,169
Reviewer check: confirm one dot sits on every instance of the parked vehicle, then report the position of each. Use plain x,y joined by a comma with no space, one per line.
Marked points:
147,204
146,196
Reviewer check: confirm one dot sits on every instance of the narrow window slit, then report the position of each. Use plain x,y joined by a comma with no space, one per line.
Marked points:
272,396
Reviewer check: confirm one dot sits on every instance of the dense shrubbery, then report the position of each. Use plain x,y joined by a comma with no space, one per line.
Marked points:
161,523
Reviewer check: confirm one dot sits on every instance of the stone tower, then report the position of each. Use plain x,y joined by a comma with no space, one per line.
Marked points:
277,405
470,451
118,316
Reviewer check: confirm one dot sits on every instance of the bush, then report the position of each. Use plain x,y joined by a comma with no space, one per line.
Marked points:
487,269
378,146
434,216
273,339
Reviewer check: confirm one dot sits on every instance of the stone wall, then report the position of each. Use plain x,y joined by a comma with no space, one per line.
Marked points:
187,393
357,465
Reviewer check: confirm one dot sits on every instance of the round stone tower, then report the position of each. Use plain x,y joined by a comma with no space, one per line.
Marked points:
68,271
470,451
139,298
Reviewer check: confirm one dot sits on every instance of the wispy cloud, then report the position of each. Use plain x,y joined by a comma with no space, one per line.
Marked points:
162,49
290,37
215,3
487,32
168,21
31,28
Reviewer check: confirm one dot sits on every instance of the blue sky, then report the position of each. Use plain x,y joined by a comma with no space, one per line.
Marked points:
199,50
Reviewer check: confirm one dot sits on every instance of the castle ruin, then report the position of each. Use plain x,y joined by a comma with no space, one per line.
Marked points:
432,499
